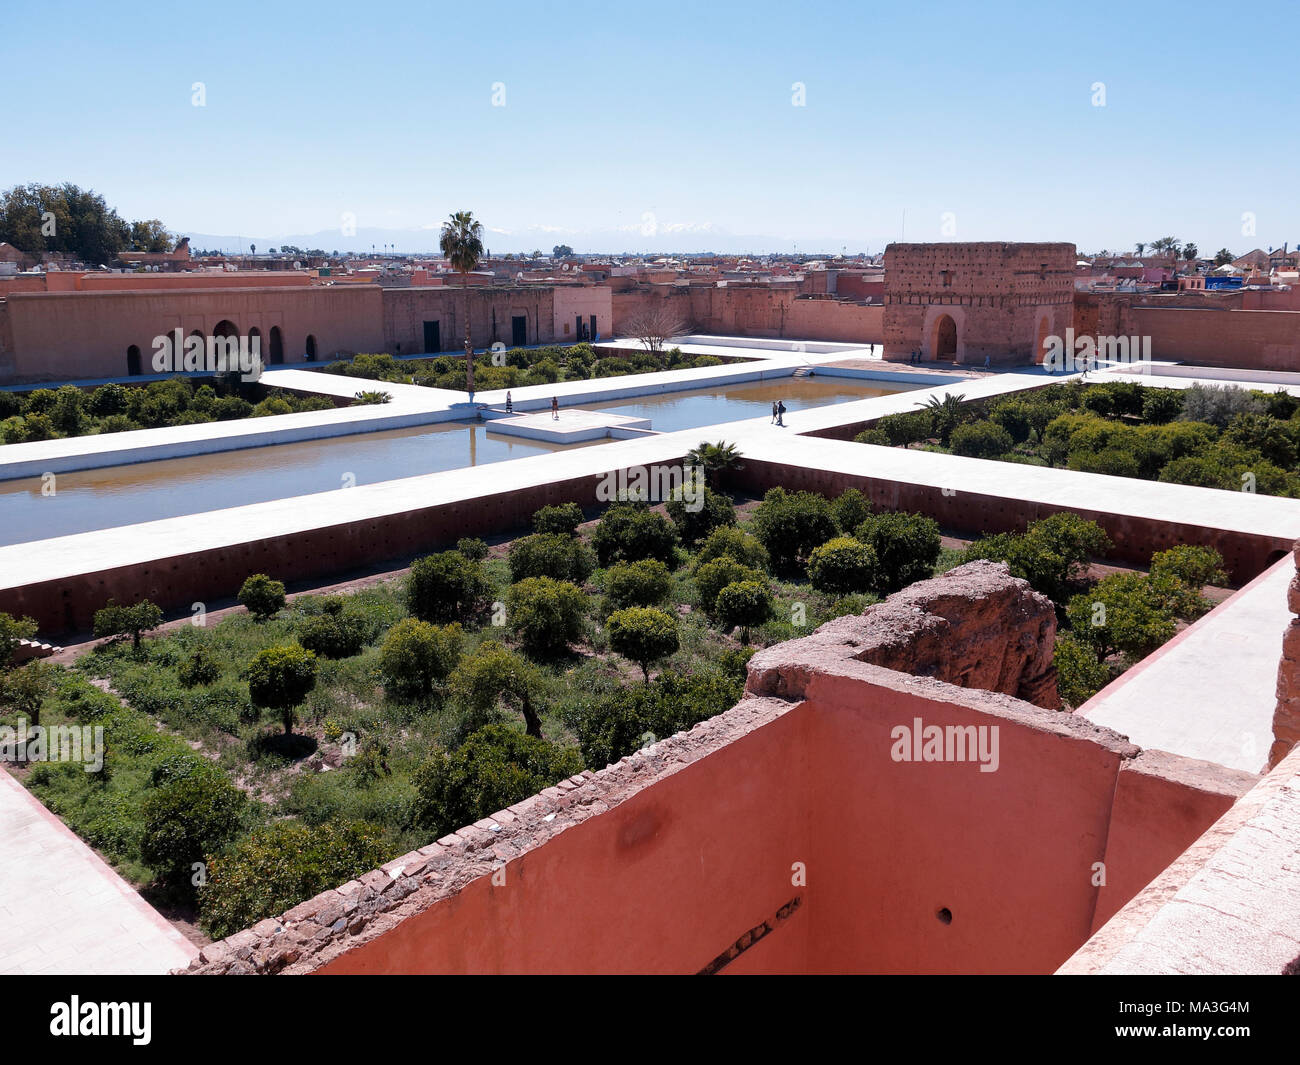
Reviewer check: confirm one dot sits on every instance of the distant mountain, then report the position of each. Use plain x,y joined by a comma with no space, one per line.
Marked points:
641,240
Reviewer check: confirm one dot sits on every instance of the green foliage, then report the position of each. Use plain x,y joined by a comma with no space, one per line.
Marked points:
280,865
492,672
545,614
632,717
1079,676
1161,405
280,678
717,460
878,437
563,519
713,576
12,632
906,548
25,689
198,667
842,566
643,635
850,509
261,596
472,548
746,604
446,587
1052,554
1124,613
644,583
332,634
981,440
790,524
1218,404
416,655
1193,565
628,532
118,620
734,543
494,768
557,555
908,428
188,820
697,513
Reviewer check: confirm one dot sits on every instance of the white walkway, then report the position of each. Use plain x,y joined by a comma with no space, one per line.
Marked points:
64,910
1210,692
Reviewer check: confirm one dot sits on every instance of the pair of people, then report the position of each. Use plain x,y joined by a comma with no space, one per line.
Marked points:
778,412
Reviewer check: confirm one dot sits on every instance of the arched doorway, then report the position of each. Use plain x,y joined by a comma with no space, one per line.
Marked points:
225,328
277,345
945,339
311,348
1040,341
133,360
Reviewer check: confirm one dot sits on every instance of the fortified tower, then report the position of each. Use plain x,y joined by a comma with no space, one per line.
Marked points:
959,303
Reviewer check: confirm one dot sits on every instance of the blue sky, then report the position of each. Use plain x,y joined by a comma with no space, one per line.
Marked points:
669,125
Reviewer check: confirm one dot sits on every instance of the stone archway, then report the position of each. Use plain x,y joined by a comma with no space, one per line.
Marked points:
277,345
943,339
225,328
311,348
133,361
1041,334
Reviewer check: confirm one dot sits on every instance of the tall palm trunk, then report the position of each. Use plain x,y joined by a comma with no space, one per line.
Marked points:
469,346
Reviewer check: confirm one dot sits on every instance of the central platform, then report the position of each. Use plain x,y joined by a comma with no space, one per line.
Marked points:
573,426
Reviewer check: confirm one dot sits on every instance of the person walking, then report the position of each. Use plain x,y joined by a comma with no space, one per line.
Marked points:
773,412
780,412
555,409
510,405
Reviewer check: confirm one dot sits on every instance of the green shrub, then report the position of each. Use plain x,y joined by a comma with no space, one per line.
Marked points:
633,717
416,655
1161,405
261,596
1125,613
629,532
551,555
1079,676
280,678
135,620
910,427
715,575
695,518
198,667
644,583
472,548
874,436
746,604
493,769
12,632
734,543
790,524
188,820
545,614
842,566
1194,566
490,673
981,440
559,520
906,548
445,587
850,509
1052,554
643,635
280,865
332,634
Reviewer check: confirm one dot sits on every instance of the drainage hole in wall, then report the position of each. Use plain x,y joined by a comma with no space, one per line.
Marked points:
945,915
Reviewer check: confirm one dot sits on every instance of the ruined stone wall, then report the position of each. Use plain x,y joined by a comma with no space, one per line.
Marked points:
1001,297
1286,717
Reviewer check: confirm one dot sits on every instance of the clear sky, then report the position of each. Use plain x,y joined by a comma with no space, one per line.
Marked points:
656,126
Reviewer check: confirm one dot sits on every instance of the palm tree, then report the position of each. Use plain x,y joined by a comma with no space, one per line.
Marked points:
462,244
716,459
945,414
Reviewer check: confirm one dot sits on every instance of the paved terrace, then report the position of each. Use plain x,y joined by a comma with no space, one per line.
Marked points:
64,910
1210,692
